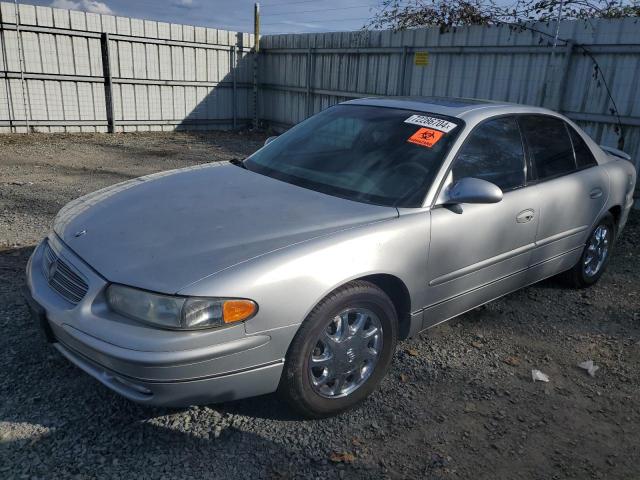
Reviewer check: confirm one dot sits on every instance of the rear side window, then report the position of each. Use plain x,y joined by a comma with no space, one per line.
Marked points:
493,152
550,145
584,157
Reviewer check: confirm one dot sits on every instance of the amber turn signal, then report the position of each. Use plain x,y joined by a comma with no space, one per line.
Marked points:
238,310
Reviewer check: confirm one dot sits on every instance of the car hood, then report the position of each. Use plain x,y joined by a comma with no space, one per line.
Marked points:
165,231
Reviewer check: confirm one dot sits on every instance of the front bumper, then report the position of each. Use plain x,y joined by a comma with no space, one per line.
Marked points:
221,388
149,365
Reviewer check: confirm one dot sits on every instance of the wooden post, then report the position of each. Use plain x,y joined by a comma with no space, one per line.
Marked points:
108,85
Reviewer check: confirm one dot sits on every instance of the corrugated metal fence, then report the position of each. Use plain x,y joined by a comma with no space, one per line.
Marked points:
303,74
90,72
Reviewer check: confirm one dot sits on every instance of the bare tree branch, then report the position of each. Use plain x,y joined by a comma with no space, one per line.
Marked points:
400,14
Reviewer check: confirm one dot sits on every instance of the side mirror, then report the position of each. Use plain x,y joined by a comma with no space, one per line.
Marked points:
473,190
270,139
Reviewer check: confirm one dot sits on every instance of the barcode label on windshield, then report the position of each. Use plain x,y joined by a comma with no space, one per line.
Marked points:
431,122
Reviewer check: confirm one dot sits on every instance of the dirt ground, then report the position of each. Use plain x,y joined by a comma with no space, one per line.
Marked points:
459,401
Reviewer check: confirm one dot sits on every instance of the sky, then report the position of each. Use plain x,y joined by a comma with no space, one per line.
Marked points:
277,16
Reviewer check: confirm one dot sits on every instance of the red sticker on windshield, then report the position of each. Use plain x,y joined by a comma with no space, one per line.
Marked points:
425,137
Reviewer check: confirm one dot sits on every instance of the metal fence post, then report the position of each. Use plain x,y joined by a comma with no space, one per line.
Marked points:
234,100
108,85
255,90
3,44
256,52
563,76
309,76
403,67
23,85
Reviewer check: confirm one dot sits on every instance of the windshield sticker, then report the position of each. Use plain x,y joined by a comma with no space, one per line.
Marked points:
431,122
425,137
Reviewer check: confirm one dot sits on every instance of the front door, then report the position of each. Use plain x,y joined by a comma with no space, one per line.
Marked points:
483,251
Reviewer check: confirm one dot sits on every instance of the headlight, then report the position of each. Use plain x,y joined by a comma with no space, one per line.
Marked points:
168,311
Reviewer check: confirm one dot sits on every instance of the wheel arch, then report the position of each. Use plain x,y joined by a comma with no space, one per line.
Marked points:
616,213
393,286
399,295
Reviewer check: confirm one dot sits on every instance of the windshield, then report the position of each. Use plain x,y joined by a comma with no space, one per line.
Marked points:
384,156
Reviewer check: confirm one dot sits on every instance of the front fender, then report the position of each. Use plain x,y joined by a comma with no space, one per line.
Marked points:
289,282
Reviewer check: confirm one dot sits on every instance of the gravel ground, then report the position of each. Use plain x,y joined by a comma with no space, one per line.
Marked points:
459,401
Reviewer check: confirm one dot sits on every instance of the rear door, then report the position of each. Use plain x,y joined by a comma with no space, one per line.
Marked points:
482,251
571,188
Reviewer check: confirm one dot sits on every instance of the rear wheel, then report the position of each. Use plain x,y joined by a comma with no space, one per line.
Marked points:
341,352
595,256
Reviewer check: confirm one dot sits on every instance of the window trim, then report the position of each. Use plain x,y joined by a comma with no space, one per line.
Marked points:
535,180
525,157
571,130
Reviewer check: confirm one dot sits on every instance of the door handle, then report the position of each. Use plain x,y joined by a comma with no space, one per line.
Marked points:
525,216
596,193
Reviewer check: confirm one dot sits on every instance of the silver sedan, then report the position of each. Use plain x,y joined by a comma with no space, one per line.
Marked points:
301,267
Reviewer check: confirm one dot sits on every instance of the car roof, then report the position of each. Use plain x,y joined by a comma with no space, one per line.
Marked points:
464,108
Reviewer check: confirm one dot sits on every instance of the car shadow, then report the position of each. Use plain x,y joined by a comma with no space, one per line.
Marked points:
554,283
267,407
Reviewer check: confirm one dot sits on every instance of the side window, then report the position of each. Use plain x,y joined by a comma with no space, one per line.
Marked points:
550,145
493,152
584,157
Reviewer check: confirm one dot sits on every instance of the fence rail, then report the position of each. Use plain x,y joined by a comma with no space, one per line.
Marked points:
65,70
303,74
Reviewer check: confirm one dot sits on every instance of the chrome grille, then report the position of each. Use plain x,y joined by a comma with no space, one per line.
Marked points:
62,278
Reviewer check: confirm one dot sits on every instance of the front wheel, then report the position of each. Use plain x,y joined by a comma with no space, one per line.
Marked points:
595,256
341,352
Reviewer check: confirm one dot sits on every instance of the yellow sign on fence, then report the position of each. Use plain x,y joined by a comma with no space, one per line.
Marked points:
421,59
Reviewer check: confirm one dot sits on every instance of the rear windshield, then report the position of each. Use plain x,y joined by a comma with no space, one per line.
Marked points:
384,156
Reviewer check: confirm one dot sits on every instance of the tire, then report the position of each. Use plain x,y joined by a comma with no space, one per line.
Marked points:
310,391
584,273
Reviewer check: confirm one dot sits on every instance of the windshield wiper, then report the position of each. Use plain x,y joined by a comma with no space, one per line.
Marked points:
238,163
